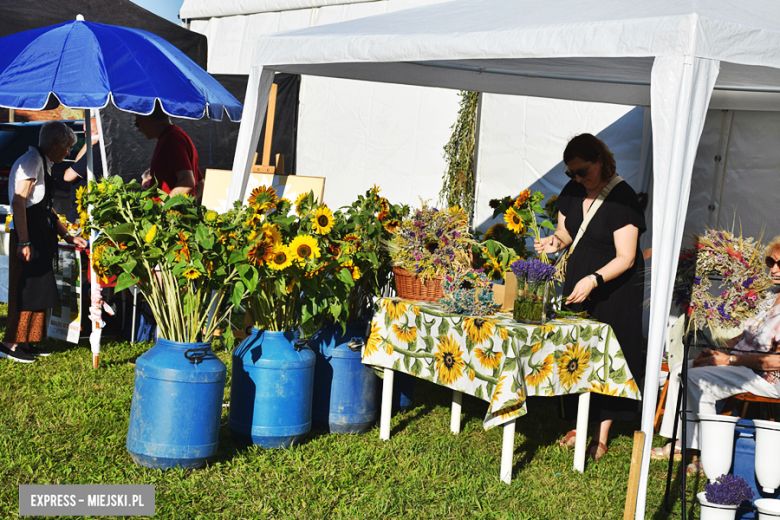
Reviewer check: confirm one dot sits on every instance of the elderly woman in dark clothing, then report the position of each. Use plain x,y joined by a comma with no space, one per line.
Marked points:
604,274
33,243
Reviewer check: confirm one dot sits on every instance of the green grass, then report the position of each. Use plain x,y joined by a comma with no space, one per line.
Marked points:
61,422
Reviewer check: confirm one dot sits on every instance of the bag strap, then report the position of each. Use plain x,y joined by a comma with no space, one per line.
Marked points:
561,263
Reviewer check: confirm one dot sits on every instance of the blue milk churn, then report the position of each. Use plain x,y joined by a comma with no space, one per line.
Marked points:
271,389
345,390
177,404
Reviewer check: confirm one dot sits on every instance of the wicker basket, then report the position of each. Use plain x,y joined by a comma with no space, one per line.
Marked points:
410,287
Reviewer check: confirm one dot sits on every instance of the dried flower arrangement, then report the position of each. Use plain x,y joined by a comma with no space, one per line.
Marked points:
469,293
431,242
740,263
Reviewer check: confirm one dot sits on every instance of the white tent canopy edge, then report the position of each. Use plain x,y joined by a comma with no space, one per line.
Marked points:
689,44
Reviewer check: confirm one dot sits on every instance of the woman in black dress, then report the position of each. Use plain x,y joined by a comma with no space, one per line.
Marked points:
604,274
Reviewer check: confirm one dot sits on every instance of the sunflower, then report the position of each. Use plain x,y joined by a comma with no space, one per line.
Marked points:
356,274
334,250
290,286
598,388
394,308
391,225
373,341
151,234
253,219
271,233
260,253
478,329
449,360
280,258
495,231
572,365
488,358
537,347
382,215
322,220
540,372
351,237
173,215
405,333
301,204
80,193
83,217
632,386
211,216
304,247
384,204
513,221
503,332
522,198
283,206
263,198
191,274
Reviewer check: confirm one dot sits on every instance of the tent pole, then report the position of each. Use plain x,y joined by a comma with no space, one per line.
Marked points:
95,296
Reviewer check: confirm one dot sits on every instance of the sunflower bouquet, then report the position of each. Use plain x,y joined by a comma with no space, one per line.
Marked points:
174,250
284,260
362,266
431,242
525,213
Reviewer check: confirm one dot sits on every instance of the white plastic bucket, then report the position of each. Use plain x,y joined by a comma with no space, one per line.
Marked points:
768,508
768,455
717,443
715,511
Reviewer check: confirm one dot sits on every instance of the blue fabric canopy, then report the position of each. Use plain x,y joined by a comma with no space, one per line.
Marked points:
85,64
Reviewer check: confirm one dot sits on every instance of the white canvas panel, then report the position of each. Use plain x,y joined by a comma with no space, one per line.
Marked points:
743,197
356,134
522,141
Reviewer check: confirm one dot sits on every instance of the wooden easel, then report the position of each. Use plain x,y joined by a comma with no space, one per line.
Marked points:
265,166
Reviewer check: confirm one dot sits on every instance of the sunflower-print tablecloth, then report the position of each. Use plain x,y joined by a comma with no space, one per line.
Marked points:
495,358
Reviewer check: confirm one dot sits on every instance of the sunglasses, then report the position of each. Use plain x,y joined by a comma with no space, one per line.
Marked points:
582,172
771,262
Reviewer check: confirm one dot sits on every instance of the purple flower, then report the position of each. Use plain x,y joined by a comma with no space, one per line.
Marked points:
519,268
728,490
456,234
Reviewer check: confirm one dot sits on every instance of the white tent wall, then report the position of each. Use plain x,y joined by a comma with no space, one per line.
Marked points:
739,186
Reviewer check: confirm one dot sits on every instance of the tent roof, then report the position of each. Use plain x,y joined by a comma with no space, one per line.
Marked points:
553,49
195,9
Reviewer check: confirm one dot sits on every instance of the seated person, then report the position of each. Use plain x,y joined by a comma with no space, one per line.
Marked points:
76,175
714,375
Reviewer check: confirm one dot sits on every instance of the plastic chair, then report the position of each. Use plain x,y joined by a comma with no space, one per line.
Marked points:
746,398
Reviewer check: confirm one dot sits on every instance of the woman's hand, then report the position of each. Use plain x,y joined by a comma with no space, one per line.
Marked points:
581,290
80,242
549,245
24,253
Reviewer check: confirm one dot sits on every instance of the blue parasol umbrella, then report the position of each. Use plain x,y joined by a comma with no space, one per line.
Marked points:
84,65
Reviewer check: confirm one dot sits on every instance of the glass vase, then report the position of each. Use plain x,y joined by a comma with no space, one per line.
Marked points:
531,303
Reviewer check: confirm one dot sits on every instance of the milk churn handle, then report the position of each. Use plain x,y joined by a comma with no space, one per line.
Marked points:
196,355
355,344
300,343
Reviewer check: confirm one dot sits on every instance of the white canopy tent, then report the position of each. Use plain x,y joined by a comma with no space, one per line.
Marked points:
678,56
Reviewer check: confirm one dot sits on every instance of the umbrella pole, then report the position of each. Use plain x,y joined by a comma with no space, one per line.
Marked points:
96,306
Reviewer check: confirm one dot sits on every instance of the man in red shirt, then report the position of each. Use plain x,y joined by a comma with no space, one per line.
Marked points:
175,160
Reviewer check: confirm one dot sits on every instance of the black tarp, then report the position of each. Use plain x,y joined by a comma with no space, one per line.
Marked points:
23,15
130,152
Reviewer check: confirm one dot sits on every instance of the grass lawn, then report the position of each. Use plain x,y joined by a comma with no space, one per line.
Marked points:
61,422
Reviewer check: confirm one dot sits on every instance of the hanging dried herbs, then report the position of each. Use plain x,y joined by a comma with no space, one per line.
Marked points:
458,188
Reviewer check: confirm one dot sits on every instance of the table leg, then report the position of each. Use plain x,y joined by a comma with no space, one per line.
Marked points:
387,405
508,451
583,409
457,400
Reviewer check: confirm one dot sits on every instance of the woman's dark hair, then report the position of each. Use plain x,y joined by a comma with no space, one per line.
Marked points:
589,148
